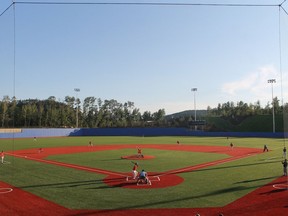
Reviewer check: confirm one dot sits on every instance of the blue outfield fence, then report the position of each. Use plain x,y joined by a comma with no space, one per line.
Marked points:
60,132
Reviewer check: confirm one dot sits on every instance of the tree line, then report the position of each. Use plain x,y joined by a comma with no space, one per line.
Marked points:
97,113
233,112
242,110
92,113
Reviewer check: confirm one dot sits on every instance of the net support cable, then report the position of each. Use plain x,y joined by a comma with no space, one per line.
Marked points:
147,4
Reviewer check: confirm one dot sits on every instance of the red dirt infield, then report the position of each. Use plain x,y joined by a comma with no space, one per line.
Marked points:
266,200
156,181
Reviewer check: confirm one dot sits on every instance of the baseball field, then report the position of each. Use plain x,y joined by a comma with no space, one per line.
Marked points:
198,175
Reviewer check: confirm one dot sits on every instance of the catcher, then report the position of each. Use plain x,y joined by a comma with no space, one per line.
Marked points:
143,178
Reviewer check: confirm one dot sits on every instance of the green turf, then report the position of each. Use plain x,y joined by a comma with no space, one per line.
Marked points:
207,187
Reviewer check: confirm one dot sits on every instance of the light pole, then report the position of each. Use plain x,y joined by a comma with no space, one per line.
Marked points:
77,90
194,90
272,81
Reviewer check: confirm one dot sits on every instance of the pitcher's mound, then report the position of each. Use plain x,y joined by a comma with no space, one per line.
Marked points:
136,157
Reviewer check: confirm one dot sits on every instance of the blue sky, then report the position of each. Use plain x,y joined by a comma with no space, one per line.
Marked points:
150,55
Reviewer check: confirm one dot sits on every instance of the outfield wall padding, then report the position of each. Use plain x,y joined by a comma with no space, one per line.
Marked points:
58,132
171,132
10,130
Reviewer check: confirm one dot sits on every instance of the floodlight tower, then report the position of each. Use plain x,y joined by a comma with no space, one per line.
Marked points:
273,111
77,105
194,90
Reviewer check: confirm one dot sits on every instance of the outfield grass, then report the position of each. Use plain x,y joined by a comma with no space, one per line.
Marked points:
208,187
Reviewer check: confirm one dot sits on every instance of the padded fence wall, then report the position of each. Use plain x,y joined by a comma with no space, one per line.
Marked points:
170,132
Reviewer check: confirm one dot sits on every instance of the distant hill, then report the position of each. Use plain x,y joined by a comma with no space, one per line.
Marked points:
199,113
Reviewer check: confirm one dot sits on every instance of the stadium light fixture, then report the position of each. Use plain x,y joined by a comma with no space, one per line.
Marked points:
77,105
273,109
194,91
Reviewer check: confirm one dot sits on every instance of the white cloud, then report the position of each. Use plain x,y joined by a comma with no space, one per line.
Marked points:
255,81
254,86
